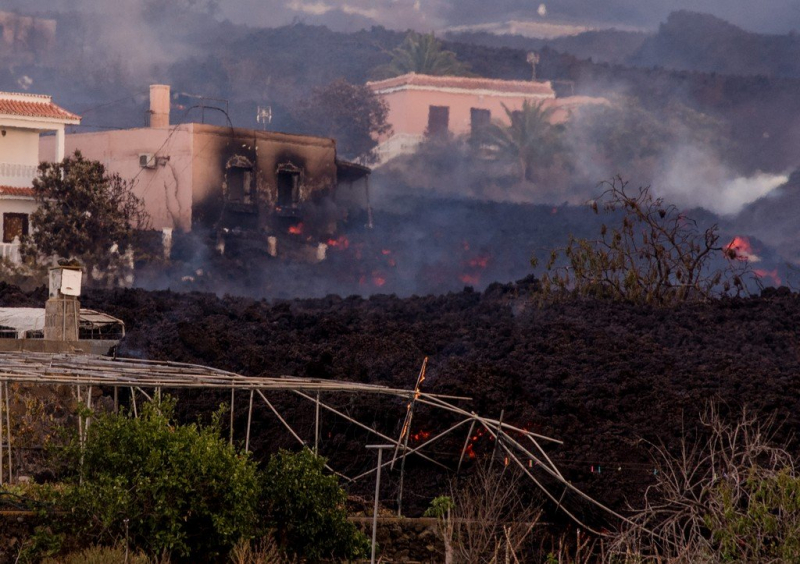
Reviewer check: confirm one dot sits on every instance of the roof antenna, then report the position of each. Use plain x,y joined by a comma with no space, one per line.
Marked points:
264,116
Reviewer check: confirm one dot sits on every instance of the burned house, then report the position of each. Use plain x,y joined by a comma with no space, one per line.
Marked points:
264,187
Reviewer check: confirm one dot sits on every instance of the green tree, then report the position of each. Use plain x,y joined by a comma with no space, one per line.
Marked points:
350,113
167,488
422,54
530,139
306,508
82,212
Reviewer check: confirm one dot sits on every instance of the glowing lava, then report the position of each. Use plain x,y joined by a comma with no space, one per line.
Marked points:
296,229
341,243
741,249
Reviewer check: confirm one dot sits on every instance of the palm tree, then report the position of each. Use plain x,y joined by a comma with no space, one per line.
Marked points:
422,54
531,138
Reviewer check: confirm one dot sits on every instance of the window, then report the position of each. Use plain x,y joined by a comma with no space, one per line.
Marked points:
288,180
479,120
239,182
438,120
14,225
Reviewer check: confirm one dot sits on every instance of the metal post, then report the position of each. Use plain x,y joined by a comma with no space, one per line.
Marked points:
466,444
232,398
8,434
249,420
1,434
316,428
133,402
377,497
499,434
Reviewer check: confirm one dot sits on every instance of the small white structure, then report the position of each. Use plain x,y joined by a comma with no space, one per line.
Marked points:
23,118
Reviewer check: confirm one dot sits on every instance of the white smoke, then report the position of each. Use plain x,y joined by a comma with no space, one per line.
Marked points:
694,177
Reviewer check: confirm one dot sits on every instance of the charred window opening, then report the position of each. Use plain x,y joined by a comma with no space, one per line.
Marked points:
239,178
288,181
438,120
479,121
14,225
239,185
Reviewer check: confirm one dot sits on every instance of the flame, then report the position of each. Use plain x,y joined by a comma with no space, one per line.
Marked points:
342,242
761,273
741,249
296,229
421,436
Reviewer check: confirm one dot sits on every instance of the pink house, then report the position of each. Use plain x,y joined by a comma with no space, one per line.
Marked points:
422,104
228,179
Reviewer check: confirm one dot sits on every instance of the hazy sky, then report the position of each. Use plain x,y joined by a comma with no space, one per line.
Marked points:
772,16
775,16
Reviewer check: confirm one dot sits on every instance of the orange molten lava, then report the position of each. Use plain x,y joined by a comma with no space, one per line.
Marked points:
470,279
742,250
341,243
386,252
296,229
378,279
421,436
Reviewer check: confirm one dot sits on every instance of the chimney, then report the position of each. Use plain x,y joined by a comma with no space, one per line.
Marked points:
159,105
62,310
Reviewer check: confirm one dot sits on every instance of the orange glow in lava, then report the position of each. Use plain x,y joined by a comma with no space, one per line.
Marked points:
341,243
742,249
479,262
773,274
421,436
386,252
296,229
378,279
470,279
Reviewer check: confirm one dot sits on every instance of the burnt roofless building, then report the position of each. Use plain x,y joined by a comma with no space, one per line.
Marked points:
197,176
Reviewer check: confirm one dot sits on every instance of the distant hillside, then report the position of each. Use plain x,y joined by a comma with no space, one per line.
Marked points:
606,46
701,42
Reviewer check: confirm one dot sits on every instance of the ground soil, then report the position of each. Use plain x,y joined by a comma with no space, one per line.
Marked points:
605,378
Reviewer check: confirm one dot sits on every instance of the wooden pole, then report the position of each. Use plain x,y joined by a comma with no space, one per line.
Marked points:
249,420
116,399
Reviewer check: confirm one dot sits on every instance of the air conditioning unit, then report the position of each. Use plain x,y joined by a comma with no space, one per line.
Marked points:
147,160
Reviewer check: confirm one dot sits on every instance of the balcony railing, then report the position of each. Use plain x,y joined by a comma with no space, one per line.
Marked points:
17,173
10,252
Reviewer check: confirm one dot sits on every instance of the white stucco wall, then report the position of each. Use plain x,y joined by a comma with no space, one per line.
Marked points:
19,156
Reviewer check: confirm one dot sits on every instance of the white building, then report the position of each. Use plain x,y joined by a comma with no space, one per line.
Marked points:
23,118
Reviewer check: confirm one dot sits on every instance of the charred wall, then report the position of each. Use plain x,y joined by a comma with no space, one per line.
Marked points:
257,180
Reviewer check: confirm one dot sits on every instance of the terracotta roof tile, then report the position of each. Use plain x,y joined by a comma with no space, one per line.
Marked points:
33,106
463,82
16,191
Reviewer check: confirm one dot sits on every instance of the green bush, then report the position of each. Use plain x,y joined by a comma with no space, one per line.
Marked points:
306,509
164,487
